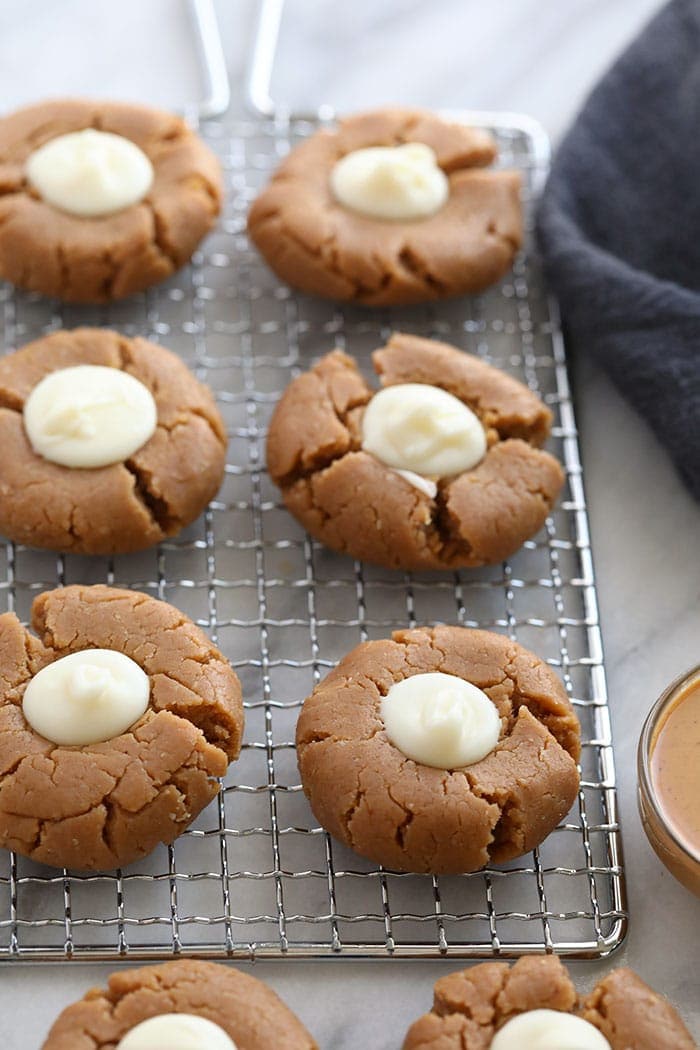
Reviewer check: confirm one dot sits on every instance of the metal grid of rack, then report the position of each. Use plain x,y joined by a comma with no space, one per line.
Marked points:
255,876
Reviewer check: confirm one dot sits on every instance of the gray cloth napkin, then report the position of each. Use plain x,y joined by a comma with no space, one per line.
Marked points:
619,225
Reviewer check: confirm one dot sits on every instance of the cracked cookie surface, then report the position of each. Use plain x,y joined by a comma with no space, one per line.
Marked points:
126,506
94,260
314,243
250,1013
354,504
100,806
471,1005
412,817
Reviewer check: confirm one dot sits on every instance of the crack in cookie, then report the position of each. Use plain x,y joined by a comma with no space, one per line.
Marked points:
353,503
104,805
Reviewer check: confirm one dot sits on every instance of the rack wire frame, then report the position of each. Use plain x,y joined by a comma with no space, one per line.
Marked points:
255,876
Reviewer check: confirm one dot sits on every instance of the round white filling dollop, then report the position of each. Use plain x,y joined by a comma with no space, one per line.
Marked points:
391,182
89,416
90,173
422,432
177,1032
548,1030
86,697
440,720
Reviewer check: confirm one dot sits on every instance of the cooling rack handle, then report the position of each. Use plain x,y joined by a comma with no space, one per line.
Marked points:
217,89
262,60
259,97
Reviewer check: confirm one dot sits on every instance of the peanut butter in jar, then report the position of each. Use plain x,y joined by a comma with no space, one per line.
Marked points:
669,779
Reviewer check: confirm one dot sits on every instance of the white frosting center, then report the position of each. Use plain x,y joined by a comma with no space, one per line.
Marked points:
440,720
86,697
422,429
90,173
548,1030
391,182
176,1032
89,416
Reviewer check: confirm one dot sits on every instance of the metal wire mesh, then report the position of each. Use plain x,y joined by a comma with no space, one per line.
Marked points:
255,876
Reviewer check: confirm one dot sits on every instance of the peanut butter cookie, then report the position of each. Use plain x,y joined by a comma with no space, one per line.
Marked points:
245,1008
104,805
470,1006
317,244
414,817
97,258
354,503
125,506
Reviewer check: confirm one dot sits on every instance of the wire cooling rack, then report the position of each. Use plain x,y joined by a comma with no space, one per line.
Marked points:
255,876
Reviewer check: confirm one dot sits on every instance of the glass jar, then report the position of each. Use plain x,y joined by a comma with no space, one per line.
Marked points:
676,854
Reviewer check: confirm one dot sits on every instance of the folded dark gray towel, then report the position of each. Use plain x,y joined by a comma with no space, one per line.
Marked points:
619,224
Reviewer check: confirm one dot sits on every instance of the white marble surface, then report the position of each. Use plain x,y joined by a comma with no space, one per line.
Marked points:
537,56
